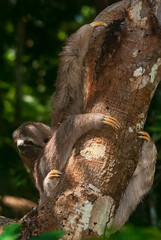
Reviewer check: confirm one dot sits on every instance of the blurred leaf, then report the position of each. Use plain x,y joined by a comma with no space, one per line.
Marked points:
62,35
11,232
155,128
9,27
10,55
49,236
136,233
87,11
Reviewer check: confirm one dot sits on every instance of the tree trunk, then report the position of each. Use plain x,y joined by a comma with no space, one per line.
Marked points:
122,71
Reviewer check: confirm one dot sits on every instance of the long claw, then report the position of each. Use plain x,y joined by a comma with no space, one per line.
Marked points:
114,119
54,174
111,122
98,23
144,135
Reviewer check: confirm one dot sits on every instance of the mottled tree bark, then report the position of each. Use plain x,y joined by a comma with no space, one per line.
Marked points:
121,72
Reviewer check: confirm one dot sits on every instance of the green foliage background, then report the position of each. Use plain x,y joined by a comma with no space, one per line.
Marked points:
12,232
32,34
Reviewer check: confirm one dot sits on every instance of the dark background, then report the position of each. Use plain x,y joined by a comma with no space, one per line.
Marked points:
32,33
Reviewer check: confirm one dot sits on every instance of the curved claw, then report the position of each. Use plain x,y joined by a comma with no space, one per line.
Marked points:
144,135
54,174
98,23
111,122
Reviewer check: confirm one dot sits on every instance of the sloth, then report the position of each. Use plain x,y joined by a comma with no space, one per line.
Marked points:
45,152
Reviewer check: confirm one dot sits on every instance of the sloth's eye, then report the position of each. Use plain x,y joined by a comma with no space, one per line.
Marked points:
28,142
46,140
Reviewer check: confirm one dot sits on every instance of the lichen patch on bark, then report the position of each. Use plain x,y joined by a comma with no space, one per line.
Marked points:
138,72
79,220
95,189
130,130
94,151
134,13
102,214
135,53
142,80
154,69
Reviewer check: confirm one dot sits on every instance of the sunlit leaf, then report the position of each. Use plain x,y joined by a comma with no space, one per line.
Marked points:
10,55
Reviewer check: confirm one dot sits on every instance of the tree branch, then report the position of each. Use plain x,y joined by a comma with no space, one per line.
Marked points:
121,72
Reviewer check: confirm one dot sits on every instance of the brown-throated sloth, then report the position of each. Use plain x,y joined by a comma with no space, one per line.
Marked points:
67,100
45,152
